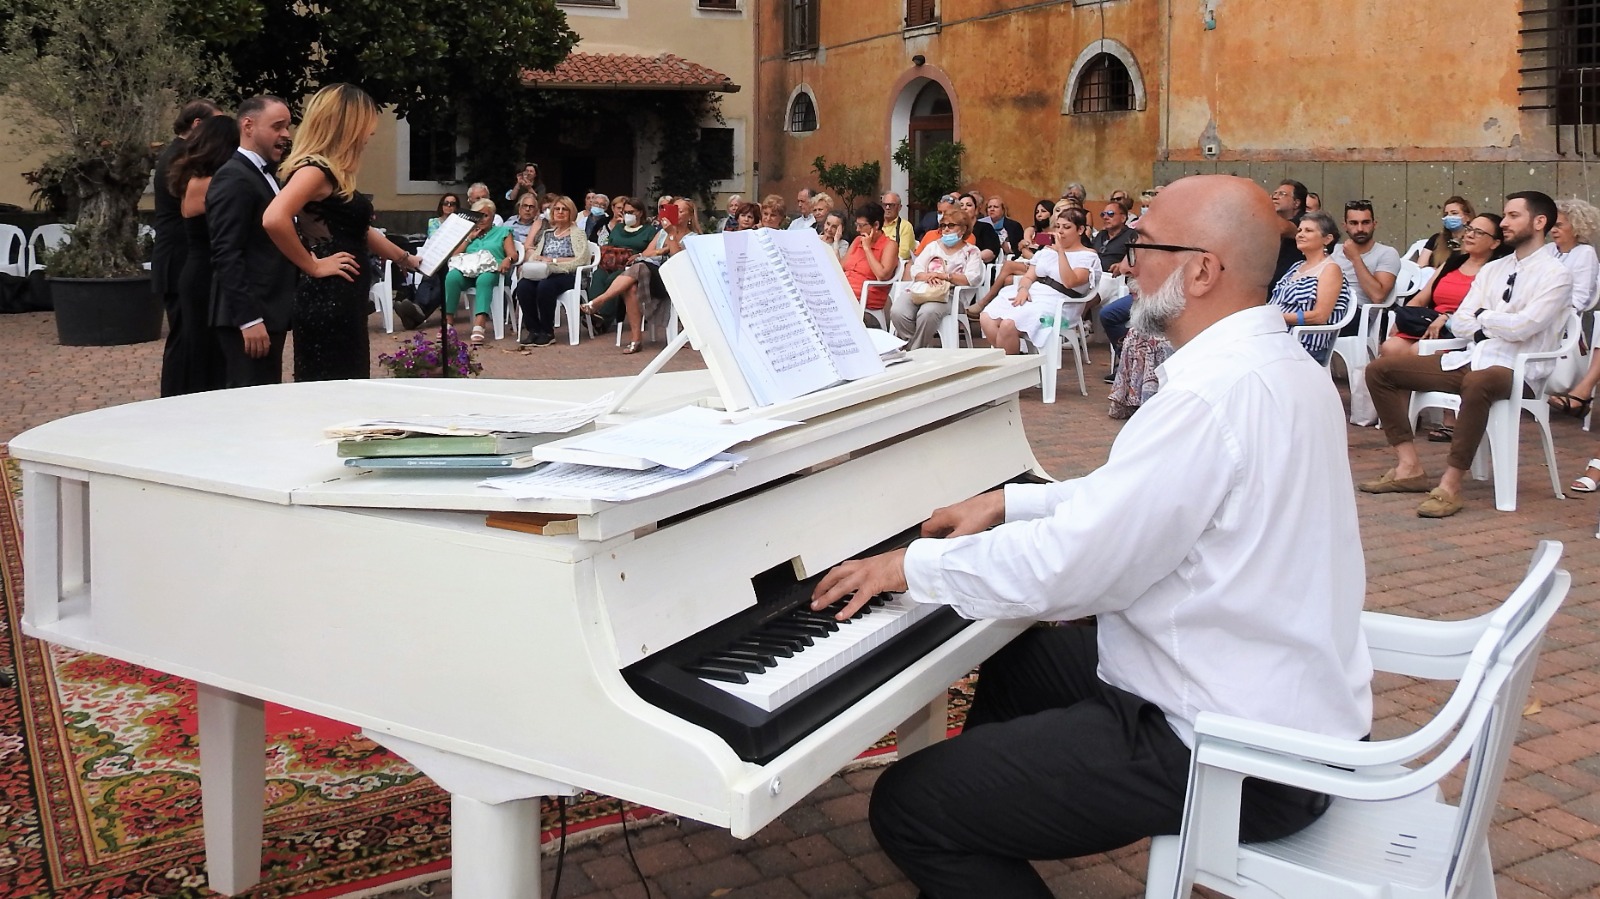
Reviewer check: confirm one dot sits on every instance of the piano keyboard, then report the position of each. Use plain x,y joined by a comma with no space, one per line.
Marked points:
775,664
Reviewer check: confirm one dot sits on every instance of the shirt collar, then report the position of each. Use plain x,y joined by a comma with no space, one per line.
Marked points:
1221,337
253,156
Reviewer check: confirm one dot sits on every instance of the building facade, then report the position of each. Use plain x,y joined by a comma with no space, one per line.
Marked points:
1404,104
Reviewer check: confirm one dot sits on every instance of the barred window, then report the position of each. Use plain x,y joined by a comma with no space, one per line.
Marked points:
802,114
800,25
1104,85
1561,60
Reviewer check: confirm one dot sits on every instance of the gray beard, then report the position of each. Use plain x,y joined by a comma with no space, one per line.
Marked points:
1153,312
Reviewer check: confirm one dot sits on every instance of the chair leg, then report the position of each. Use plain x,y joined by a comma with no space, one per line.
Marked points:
1049,367
1549,452
1503,437
1163,867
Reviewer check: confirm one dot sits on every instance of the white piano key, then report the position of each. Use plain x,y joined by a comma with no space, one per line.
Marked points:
790,677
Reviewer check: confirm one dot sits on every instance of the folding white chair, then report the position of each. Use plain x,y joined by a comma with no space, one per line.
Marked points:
881,316
1388,832
1503,436
1056,340
1333,327
13,250
382,296
44,239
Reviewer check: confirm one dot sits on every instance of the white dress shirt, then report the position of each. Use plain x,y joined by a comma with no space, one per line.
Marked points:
260,163
1218,544
804,221
1585,267
1529,322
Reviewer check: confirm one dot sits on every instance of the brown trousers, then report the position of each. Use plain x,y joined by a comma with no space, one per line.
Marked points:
1391,380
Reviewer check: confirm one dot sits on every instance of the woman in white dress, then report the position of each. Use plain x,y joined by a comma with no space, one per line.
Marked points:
1065,271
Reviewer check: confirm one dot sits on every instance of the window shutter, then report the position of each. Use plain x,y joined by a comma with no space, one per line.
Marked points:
920,12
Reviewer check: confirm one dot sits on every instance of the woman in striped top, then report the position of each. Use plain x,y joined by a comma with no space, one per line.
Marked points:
1313,291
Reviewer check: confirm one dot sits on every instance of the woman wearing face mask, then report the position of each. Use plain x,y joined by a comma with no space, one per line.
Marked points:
599,220
944,264
1457,212
631,233
1066,271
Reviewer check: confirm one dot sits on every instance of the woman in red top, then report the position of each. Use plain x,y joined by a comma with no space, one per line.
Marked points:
1480,243
872,257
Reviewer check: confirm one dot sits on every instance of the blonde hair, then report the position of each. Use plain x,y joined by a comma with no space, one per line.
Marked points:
571,207
1584,219
693,223
333,133
483,204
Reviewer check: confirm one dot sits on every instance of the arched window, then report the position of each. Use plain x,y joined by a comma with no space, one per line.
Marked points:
1103,85
802,113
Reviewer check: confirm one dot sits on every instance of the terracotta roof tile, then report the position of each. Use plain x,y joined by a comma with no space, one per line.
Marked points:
619,71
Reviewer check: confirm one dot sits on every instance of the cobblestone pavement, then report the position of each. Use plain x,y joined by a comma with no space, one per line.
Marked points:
1544,835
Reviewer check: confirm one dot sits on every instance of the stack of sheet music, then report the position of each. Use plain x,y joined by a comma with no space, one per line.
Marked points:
457,442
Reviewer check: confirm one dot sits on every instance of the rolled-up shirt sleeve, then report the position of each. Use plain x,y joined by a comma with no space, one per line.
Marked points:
1094,544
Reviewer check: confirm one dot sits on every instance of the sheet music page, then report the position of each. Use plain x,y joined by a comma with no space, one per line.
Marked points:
469,424
681,439
437,249
833,311
565,480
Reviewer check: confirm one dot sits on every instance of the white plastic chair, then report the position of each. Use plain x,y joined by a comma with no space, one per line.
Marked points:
1357,351
1502,438
46,238
1411,251
497,303
567,304
1333,327
13,250
1388,833
1056,340
881,316
382,295
650,326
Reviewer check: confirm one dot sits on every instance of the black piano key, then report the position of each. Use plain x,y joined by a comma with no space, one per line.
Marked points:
794,640
732,661
814,628
717,672
782,648
827,621
765,659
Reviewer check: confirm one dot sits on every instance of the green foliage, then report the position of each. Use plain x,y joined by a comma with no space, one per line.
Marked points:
683,170
937,173
848,183
107,75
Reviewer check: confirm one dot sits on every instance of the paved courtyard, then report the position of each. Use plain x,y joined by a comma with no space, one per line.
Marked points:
1544,835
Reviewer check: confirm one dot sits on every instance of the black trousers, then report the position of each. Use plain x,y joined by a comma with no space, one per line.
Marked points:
242,370
1053,763
538,302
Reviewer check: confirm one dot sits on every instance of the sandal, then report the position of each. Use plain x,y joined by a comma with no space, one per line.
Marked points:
1442,434
477,333
1567,404
1586,483
632,348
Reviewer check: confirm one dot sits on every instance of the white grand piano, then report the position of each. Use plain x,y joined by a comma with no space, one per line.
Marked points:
184,534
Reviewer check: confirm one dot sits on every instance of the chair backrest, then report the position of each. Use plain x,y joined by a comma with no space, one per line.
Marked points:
13,250
1412,250
1407,283
44,238
1571,333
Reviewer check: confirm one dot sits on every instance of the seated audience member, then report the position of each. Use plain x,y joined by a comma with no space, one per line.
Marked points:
1313,291
1480,245
1572,242
872,257
527,220
1111,241
1146,197
1015,268
1313,201
1137,376
1456,213
1008,230
803,201
896,228
929,223
730,222
1577,222
496,241
1517,304
982,232
1290,201
598,218
772,212
934,234
832,234
527,182
1369,267
1078,741
744,217
1066,271
1076,194
614,213
480,191
949,262
1040,225
449,205
628,239
642,293
1120,197
551,258
821,205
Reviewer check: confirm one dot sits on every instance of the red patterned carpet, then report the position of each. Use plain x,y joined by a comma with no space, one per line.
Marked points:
100,786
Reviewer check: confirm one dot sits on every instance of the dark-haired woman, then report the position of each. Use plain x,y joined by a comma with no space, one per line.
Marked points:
1313,291
195,363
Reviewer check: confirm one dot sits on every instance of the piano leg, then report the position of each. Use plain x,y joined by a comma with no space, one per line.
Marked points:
233,786
494,819
924,728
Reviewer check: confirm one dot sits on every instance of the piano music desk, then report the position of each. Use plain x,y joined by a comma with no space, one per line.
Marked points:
216,537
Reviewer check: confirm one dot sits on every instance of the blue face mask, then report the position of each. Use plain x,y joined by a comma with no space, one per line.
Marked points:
1453,222
950,239
597,210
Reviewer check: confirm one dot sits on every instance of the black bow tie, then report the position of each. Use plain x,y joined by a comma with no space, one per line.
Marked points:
270,168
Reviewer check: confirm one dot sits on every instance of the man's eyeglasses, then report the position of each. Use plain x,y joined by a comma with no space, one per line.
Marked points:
1358,204
1136,245
1282,194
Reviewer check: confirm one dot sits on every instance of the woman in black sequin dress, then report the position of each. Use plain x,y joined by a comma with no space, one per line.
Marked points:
335,236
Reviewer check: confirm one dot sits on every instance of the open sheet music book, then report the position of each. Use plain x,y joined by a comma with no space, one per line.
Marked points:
771,313
437,249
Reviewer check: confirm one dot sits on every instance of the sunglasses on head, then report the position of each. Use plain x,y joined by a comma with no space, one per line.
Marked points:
1358,204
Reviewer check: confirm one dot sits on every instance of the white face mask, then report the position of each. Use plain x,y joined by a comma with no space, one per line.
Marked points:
630,219
1144,210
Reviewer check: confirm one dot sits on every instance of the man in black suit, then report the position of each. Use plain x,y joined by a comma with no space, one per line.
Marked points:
252,288
172,245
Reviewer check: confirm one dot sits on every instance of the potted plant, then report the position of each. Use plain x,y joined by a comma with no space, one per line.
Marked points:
100,80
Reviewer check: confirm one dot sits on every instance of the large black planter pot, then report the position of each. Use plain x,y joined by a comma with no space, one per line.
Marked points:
105,311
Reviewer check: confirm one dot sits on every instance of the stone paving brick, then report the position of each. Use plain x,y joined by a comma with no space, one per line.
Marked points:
1448,569
835,879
